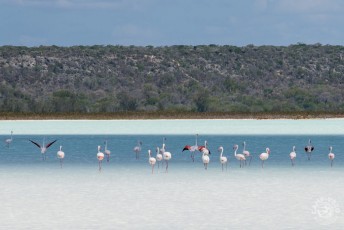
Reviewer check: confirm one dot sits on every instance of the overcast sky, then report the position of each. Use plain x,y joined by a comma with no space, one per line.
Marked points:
171,22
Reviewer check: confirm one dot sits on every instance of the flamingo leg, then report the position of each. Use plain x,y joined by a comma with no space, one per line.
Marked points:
249,163
152,168
331,163
61,163
166,167
100,166
226,166
193,157
309,156
262,164
158,164
222,167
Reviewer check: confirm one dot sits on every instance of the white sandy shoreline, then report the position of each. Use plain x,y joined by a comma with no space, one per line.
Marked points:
330,126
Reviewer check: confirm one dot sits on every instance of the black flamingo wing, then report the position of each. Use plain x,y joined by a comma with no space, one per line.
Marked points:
187,147
35,143
49,144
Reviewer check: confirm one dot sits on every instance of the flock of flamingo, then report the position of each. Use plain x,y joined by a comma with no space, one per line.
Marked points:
164,156
241,157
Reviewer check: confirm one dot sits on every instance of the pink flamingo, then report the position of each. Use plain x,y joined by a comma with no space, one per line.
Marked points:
60,155
309,149
100,157
137,149
246,154
158,156
331,156
107,152
192,149
151,160
223,159
292,155
43,147
167,156
205,158
204,148
264,156
9,140
239,157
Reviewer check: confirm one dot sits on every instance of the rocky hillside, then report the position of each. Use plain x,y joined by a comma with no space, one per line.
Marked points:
176,78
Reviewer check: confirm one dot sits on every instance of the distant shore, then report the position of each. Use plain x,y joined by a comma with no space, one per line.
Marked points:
166,115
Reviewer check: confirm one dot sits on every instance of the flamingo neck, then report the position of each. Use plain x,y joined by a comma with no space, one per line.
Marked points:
221,152
235,151
196,139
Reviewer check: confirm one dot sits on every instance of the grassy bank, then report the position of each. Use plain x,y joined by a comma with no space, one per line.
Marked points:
165,115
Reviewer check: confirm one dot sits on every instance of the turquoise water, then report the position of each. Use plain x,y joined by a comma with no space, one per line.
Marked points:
125,195
81,150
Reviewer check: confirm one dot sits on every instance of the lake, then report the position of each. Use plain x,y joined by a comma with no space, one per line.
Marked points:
40,194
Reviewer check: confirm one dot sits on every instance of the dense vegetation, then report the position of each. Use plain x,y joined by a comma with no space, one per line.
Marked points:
97,79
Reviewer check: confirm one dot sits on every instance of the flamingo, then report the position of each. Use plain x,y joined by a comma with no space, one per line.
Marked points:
331,156
223,159
60,155
292,156
9,140
192,149
204,148
205,158
246,154
239,157
151,160
107,152
309,149
264,156
163,149
158,155
167,156
137,149
100,157
43,147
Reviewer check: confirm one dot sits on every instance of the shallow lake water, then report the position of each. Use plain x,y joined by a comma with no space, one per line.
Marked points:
40,194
